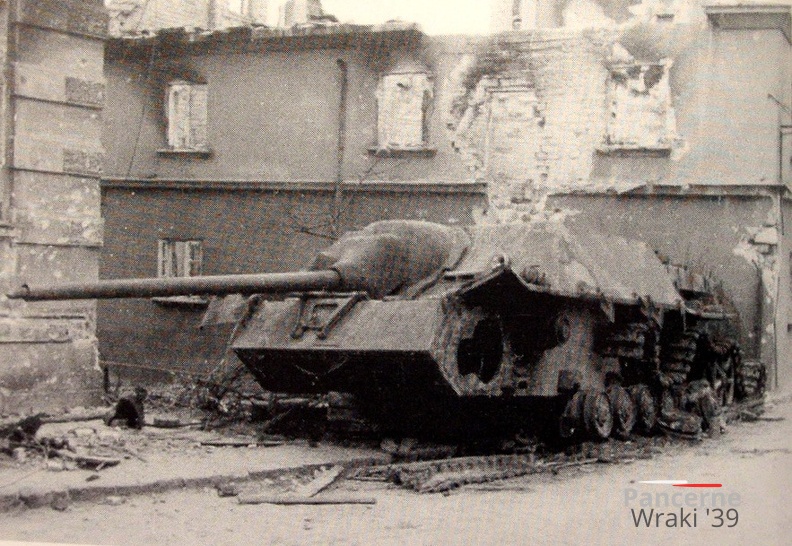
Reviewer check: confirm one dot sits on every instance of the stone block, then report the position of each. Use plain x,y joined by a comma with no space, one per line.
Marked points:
82,162
84,92
78,16
49,377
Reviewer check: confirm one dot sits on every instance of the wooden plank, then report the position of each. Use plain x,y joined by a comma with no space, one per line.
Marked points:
323,480
88,460
295,499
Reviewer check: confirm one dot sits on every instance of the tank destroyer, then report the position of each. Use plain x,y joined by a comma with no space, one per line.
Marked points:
482,329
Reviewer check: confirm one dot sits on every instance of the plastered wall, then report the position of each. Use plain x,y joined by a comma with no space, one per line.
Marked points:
51,227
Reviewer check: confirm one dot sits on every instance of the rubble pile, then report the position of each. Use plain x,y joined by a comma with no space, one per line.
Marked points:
81,447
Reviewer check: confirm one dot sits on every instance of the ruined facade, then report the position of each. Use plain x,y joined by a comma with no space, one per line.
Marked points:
662,120
50,226
671,126
139,16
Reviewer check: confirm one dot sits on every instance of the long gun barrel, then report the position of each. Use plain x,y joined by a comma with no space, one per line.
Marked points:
270,283
378,259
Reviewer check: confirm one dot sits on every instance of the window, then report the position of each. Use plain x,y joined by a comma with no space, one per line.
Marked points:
187,116
180,258
403,101
641,116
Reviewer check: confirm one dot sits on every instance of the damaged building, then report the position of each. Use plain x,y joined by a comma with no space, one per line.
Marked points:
138,16
668,123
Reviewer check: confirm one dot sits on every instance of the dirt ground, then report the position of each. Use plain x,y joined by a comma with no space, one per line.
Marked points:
584,505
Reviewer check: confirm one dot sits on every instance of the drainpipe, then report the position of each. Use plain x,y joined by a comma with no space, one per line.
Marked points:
12,29
780,247
338,195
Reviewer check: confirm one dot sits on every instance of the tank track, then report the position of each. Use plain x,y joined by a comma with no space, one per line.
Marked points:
678,357
440,475
691,375
633,342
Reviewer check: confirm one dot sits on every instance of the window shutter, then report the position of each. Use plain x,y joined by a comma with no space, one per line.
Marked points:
641,113
179,115
403,102
194,257
198,116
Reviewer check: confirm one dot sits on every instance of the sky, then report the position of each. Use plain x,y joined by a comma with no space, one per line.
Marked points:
434,16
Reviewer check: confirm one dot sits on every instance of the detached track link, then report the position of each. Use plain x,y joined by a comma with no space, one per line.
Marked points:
413,474
464,470
447,474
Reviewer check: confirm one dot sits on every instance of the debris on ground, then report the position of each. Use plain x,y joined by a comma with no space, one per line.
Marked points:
322,480
228,489
72,415
87,460
166,423
748,410
306,486
445,474
235,442
60,503
173,422
409,450
19,433
114,500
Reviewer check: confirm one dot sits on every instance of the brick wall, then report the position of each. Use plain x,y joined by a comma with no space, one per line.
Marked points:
539,114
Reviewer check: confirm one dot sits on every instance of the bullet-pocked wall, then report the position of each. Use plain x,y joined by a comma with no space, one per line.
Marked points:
51,229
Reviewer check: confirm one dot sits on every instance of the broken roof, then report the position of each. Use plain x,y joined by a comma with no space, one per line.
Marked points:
322,36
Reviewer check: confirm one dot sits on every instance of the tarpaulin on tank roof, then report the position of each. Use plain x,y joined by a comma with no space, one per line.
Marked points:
553,258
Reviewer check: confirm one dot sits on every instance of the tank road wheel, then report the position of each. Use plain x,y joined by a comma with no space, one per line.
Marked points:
645,406
623,409
572,417
597,415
